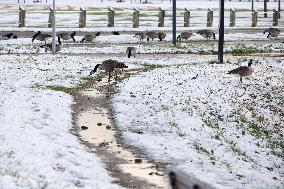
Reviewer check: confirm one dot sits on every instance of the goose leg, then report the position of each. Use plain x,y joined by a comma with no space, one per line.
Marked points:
109,76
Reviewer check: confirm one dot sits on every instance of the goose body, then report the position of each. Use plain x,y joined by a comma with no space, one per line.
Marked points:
40,37
58,46
151,35
67,35
207,34
131,51
9,35
273,32
141,36
89,38
184,35
115,33
243,71
109,66
161,35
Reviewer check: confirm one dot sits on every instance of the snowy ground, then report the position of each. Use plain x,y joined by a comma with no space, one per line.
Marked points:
37,149
224,132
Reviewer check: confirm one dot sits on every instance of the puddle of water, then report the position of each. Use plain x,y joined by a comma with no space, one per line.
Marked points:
100,132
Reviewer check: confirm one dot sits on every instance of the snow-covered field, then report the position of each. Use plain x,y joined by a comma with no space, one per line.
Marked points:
37,149
207,123
191,113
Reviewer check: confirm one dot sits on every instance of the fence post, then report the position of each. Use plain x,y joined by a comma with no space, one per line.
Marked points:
136,18
275,17
82,18
254,18
265,8
232,17
162,14
209,18
22,17
186,17
110,17
50,18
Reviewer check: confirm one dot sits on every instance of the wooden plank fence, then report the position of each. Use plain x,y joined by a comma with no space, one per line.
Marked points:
136,15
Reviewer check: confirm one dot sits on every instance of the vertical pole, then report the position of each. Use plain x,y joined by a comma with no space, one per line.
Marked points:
174,23
161,17
22,17
275,17
136,18
50,18
186,17
252,5
254,18
110,17
209,18
221,32
53,29
232,17
82,18
265,8
279,9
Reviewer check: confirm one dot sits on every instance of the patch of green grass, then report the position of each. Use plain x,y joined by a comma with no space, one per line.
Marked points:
241,49
62,89
200,149
254,129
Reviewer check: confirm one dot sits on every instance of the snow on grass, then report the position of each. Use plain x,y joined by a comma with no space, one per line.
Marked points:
37,149
117,44
206,122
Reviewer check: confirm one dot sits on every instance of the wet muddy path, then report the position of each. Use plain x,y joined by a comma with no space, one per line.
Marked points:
95,126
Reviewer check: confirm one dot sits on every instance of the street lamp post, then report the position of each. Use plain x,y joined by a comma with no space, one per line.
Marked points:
174,23
221,32
53,29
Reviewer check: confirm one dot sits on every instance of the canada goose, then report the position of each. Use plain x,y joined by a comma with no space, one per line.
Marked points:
243,71
58,46
88,37
131,51
109,66
273,32
67,35
141,35
115,33
161,35
9,35
41,37
184,35
151,35
207,34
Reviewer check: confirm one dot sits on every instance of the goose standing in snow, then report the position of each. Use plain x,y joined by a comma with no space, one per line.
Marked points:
115,33
161,35
184,35
151,35
58,46
141,35
89,38
67,35
131,51
273,32
207,34
243,71
109,66
41,37
9,35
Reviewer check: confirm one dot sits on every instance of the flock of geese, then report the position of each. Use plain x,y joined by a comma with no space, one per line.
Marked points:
110,65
